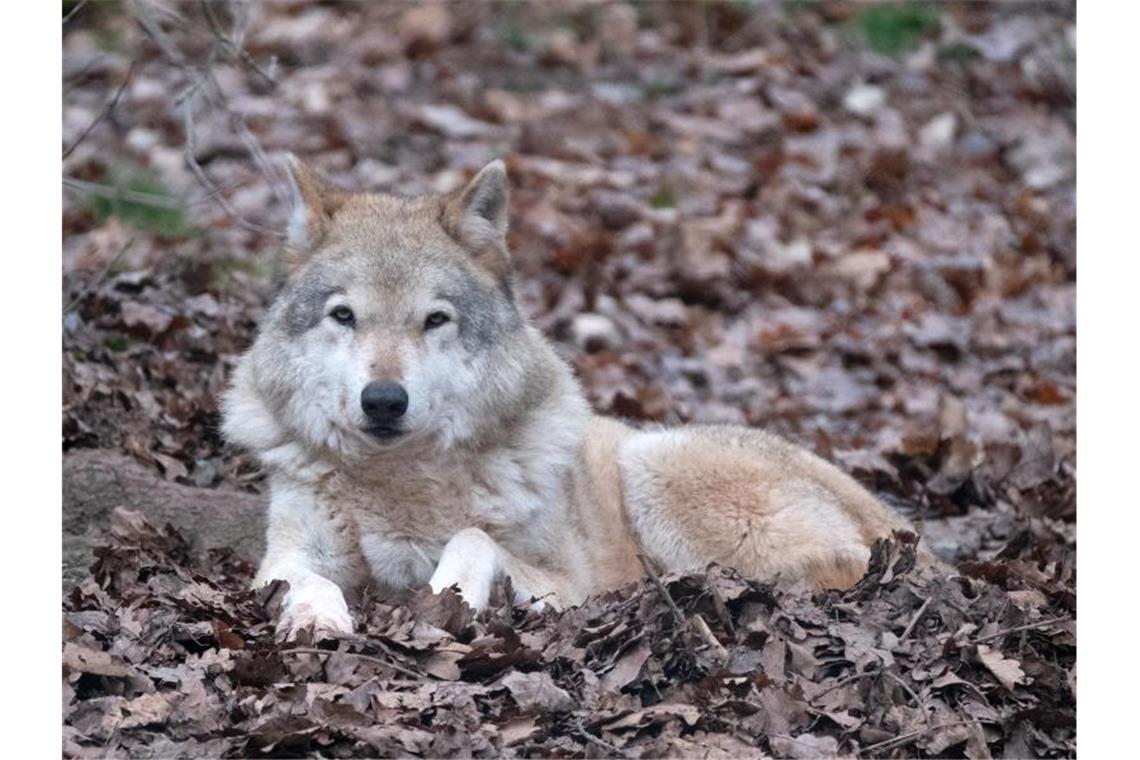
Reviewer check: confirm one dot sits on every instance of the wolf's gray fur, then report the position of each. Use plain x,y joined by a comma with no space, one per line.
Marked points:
497,464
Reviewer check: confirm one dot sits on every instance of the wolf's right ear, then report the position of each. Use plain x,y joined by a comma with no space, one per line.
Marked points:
477,217
314,200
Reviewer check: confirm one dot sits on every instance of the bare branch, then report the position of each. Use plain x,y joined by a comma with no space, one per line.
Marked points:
139,196
103,113
202,86
98,279
74,11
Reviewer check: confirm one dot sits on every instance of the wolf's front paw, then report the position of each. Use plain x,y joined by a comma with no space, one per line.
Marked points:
316,604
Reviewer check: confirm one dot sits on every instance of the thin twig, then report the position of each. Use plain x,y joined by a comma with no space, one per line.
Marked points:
906,687
122,193
74,10
731,44
906,738
103,113
75,79
914,619
877,672
720,608
91,286
645,562
204,179
196,168
234,44
366,657
202,84
843,682
1015,629
144,15
581,731
707,636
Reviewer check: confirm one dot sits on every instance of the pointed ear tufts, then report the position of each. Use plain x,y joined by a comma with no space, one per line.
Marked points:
314,200
477,216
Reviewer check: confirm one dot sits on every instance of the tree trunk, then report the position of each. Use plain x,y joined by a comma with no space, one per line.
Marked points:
95,481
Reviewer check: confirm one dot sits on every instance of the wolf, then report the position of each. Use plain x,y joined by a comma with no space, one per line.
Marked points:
416,429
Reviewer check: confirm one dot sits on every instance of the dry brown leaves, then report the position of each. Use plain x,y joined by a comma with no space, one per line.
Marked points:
719,213
720,216
167,654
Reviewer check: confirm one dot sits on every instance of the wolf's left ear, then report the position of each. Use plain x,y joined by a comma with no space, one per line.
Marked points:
314,200
477,216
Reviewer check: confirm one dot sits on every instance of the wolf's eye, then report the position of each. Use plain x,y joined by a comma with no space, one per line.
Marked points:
343,315
436,319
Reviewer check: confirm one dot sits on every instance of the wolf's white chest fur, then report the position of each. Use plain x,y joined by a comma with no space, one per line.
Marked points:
403,519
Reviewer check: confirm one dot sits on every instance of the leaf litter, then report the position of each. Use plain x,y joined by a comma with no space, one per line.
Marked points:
172,653
742,215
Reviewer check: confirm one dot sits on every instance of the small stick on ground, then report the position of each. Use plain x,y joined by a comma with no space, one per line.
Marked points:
581,731
914,620
844,682
720,608
908,737
648,565
906,687
367,657
707,636
1015,629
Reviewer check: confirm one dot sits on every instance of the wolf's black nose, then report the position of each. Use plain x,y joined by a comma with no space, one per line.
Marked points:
384,401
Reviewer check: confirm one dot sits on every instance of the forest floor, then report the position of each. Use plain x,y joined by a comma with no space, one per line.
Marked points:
853,225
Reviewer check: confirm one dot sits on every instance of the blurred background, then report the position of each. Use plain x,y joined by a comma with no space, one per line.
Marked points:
851,223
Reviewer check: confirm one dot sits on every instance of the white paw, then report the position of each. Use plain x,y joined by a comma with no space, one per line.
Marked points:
536,600
318,604
476,593
470,560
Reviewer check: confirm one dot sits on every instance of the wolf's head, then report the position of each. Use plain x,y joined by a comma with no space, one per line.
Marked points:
397,323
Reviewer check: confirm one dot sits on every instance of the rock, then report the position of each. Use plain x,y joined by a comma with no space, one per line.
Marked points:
977,145
619,30
452,121
864,99
890,130
937,135
617,210
425,27
667,312
864,267
787,256
1045,158
95,481
763,247
798,113
739,64
702,258
563,48
593,333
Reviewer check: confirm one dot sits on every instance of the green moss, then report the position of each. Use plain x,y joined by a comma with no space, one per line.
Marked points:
958,53
897,27
660,86
116,343
141,201
663,198
517,37
260,266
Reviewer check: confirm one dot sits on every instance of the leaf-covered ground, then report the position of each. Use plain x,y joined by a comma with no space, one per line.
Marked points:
851,224
171,655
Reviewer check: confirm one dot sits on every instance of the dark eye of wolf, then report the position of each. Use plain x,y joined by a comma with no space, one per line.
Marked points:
343,315
436,319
